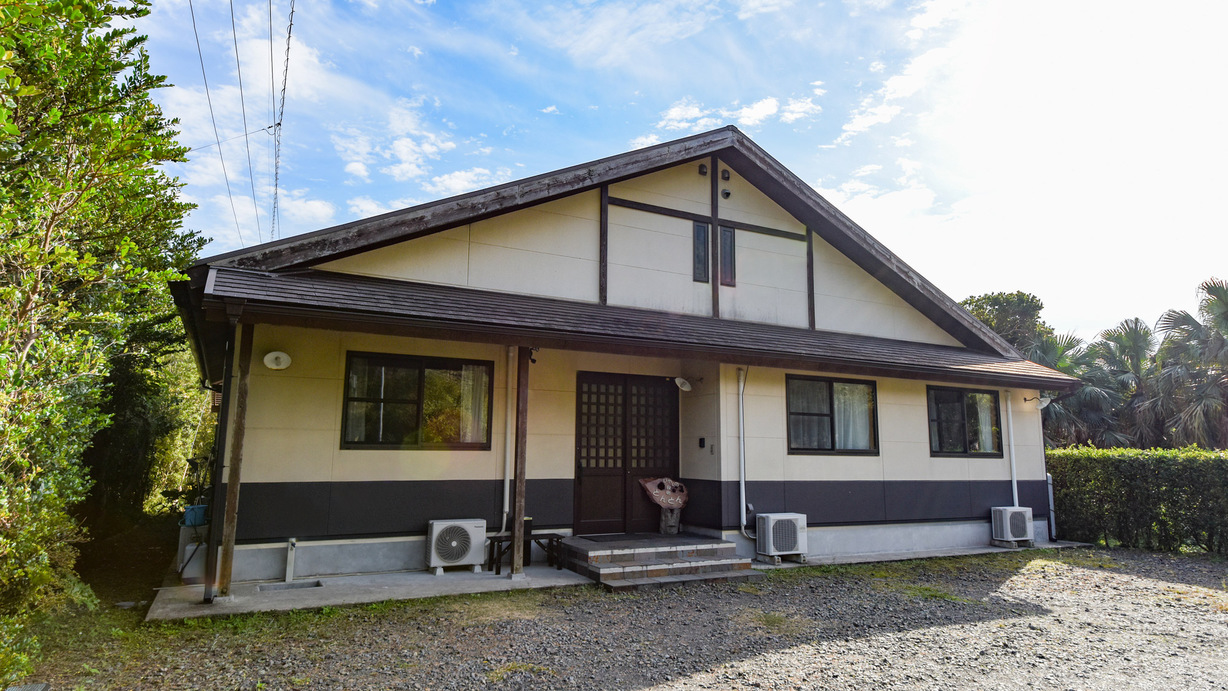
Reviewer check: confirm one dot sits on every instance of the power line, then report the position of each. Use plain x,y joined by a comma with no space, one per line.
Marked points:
251,173
272,113
281,111
218,139
231,139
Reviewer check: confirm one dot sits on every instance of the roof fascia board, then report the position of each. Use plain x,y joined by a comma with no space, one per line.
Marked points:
379,231
345,320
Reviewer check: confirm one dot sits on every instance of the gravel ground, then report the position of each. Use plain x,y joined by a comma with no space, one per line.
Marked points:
1104,619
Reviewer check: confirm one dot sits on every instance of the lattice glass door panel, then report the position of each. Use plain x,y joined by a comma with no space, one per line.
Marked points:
601,421
652,425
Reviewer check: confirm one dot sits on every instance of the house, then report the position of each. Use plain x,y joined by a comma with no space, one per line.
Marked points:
691,310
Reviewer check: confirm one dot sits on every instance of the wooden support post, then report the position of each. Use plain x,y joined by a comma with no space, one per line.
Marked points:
522,428
219,464
226,562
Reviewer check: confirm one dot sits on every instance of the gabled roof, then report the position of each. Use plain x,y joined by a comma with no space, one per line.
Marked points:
733,148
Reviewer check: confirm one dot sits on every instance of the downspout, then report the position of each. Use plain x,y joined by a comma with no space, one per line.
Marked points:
1010,433
509,414
742,453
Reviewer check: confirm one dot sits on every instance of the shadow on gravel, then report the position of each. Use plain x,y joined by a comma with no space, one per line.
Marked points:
1202,570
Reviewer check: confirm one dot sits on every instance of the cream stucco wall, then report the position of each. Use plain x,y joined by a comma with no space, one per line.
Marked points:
903,433
848,299
293,428
551,250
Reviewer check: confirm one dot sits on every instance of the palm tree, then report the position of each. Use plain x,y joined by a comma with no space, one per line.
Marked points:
1194,375
1125,356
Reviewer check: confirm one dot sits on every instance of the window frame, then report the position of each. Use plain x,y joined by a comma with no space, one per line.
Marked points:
699,252
831,405
728,255
423,363
930,419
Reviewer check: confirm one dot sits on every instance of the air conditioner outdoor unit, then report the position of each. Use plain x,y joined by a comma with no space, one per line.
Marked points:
781,534
1012,523
456,543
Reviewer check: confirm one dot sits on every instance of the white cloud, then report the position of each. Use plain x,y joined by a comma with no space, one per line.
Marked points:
755,113
687,114
482,151
365,207
817,88
415,51
644,141
750,8
513,51
414,144
798,108
866,170
461,181
878,66
551,110
358,170
299,207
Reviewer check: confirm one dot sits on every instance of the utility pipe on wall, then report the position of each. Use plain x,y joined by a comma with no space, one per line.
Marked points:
509,414
742,452
1010,433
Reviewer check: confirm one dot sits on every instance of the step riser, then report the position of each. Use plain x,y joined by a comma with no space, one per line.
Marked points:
657,570
637,555
647,584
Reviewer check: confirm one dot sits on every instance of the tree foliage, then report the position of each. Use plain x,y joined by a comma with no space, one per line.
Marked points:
1165,387
89,231
1014,316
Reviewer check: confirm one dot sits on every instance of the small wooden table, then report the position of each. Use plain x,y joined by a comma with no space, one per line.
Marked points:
501,545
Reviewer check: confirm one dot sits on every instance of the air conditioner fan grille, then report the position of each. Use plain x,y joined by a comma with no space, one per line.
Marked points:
1018,524
452,544
784,536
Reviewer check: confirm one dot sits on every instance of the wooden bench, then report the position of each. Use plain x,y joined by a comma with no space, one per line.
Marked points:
500,546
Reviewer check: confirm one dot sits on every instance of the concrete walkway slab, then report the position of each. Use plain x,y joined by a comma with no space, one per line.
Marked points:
184,602
871,557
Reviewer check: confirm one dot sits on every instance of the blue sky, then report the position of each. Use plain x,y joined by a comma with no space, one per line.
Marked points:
1072,150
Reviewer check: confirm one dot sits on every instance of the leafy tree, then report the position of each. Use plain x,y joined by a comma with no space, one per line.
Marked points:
1014,316
89,227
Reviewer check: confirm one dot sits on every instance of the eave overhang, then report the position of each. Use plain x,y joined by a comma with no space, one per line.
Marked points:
328,300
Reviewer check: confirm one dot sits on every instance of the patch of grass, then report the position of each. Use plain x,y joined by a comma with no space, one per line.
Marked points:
777,623
502,672
749,589
927,592
484,608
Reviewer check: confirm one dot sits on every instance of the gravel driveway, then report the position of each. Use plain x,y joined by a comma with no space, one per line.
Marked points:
1082,619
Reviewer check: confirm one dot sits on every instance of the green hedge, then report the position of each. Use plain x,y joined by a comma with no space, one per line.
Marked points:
1160,499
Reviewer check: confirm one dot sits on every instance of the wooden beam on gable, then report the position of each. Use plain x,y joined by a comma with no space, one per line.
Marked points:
604,233
714,245
810,275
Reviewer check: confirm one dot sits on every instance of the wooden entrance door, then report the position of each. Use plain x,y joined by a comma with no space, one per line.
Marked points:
626,429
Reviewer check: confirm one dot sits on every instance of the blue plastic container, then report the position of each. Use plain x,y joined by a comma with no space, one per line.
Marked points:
195,515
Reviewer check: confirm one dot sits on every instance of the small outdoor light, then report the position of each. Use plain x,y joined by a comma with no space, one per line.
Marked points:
724,175
1041,402
685,385
725,194
703,168
277,360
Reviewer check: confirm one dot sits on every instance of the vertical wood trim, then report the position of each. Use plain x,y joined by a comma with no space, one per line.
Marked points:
219,464
714,251
522,437
602,286
810,274
226,562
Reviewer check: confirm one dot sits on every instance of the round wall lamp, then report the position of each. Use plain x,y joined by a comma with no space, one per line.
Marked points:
685,385
277,360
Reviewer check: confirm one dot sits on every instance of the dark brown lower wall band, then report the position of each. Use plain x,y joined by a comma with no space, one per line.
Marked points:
321,510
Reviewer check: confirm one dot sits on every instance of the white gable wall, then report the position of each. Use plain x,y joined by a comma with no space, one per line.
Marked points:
550,250
553,250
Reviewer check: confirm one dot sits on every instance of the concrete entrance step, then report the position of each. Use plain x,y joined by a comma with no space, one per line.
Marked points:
622,562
